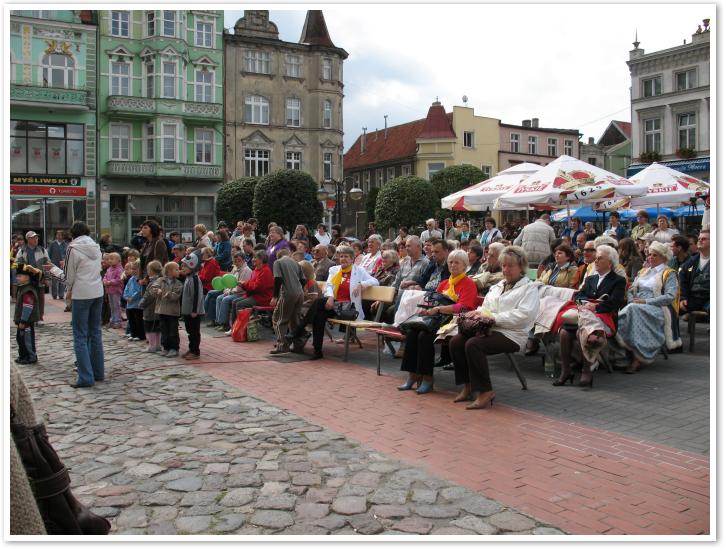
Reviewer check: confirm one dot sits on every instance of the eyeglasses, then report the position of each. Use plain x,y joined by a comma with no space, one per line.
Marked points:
589,250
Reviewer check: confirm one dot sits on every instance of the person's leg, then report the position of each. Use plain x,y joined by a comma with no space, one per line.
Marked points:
566,340
410,357
425,363
95,339
277,319
195,335
457,348
61,288
174,333
20,339
210,304
54,288
115,301
318,323
30,343
80,321
248,302
224,304
41,300
165,327
477,349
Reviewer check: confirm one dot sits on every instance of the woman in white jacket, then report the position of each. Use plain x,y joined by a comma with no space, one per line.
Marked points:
345,284
512,306
81,275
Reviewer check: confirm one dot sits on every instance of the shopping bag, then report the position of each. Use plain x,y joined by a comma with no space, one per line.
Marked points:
239,329
252,330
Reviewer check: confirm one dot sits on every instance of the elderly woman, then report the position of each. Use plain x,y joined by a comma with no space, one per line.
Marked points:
218,303
663,234
256,291
490,233
275,242
489,273
387,269
210,269
418,359
593,312
511,305
345,285
372,259
563,272
650,320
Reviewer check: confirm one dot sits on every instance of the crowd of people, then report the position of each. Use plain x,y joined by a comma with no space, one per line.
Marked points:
623,287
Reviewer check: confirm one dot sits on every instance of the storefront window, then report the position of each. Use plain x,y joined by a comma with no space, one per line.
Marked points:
40,148
45,215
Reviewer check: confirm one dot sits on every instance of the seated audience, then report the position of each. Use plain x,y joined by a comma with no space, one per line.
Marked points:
475,254
256,291
321,263
210,269
630,258
680,251
490,273
695,277
218,303
663,233
563,272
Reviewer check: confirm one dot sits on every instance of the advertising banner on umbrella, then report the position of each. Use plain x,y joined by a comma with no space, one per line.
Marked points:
667,187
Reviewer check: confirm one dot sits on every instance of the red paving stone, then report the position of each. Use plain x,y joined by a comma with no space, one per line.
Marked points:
578,478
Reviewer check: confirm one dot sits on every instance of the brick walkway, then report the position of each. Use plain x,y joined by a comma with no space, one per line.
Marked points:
581,479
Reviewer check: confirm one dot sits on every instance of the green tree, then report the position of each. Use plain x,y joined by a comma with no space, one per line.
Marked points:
452,179
405,201
371,204
288,197
235,199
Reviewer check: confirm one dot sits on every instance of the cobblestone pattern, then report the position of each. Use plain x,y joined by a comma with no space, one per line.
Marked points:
161,448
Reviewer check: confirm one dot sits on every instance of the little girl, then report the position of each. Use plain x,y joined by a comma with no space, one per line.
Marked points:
168,308
114,285
192,303
148,303
134,313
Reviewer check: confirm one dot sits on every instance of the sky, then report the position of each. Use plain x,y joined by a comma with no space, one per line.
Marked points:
562,63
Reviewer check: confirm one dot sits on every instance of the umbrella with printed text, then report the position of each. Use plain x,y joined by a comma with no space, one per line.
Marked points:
481,196
667,187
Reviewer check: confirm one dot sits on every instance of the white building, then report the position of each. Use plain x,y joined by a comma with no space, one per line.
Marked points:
670,105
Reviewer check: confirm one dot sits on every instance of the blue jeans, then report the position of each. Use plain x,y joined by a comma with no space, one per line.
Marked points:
210,304
87,339
224,303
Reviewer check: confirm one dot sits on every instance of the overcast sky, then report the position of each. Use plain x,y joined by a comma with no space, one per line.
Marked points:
563,63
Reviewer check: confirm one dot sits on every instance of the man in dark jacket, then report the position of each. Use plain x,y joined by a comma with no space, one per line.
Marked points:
695,277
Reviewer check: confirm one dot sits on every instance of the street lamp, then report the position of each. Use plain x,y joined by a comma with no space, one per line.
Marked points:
322,194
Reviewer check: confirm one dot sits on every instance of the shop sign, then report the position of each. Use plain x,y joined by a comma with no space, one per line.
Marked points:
49,191
45,180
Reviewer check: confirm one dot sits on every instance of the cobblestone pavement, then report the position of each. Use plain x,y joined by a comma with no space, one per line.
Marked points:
162,448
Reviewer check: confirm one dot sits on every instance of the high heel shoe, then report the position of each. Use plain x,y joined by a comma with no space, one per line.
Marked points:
425,387
481,404
408,385
586,383
561,381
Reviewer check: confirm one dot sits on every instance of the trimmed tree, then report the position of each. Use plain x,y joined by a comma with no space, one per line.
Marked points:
452,179
288,197
405,201
371,204
235,199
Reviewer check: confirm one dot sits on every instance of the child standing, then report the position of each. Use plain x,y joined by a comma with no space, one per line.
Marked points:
148,303
124,279
134,313
114,285
27,311
192,303
167,307
106,308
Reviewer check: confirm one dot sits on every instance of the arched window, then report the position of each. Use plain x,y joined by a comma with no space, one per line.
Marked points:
257,110
58,71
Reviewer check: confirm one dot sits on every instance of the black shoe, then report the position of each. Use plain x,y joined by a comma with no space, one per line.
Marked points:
316,355
441,362
278,351
298,350
678,350
448,367
76,385
26,362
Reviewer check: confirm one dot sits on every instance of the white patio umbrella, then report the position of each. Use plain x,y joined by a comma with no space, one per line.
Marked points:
481,196
666,187
566,180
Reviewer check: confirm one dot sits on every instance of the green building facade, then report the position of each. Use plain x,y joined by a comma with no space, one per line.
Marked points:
52,120
160,119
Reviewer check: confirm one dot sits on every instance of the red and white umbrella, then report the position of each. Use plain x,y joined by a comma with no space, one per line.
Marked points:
567,180
481,196
667,187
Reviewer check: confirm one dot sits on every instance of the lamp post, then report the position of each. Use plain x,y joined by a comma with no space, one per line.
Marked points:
355,194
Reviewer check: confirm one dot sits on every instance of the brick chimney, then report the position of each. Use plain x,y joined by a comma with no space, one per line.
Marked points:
527,123
535,122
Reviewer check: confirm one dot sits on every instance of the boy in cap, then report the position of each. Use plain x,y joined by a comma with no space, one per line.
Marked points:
192,303
27,311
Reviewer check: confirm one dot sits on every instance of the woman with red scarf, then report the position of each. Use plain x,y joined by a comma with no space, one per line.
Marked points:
210,269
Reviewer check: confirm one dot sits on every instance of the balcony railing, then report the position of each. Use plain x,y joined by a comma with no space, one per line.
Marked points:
43,94
135,106
145,170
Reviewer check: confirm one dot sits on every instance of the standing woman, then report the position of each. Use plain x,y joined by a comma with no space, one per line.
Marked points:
81,274
276,241
223,251
201,241
57,252
154,249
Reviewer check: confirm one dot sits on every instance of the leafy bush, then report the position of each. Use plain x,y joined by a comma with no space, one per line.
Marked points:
405,201
371,204
288,197
452,179
235,199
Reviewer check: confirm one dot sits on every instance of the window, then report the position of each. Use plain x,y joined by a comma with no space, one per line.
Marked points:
120,142
487,170
468,139
327,114
203,145
686,80
257,110
327,68
532,145
204,86
651,129
120,23
514,143
379,177
433,168
149,84
168,143
257,62
257,162
687,131
293,160
569,146
149,153
150,23
406,170
293,111
356,179
592,161
205,34
46,148
168,23
120,80
327,166
58,71
13,68
552,147
367,181
40,14
651,87
293,66
390,173
169,79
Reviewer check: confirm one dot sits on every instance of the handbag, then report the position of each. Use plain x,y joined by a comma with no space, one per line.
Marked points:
239,329
474,326
61,512
252,330
345,311
430,323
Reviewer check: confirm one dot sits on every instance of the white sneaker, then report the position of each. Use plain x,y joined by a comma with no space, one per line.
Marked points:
152,350
228,333
134,339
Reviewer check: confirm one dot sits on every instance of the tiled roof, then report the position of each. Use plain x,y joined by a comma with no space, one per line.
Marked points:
315,31
625,127
399,143
437,124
